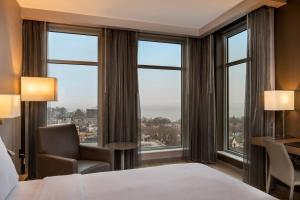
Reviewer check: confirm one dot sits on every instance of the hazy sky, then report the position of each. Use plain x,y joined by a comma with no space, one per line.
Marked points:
160,90
77,84
237,74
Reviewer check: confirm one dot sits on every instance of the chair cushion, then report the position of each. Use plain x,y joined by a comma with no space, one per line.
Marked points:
90,166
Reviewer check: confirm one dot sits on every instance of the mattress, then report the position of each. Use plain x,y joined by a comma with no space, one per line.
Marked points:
175,182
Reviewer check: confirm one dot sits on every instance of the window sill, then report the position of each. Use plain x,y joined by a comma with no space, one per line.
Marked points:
231,156
161,154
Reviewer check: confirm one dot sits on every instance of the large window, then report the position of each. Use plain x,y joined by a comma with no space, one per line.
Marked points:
235,72
73,60
160,94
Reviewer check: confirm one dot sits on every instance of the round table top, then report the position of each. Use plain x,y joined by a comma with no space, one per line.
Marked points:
122,145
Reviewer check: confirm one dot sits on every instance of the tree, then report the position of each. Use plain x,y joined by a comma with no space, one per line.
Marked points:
78,114
158,121
168,136
61,112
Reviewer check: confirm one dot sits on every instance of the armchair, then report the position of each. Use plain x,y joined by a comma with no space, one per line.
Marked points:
59,153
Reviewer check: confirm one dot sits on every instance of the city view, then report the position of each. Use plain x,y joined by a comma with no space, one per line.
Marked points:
160,133
160,100
156,133
236,134
85,120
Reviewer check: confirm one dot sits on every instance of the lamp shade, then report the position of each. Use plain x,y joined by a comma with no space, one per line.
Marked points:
38,89
279,100
9,106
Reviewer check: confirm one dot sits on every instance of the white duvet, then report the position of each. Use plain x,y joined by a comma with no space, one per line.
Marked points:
169,182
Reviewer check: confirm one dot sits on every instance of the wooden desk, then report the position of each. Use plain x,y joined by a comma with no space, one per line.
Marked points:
259,141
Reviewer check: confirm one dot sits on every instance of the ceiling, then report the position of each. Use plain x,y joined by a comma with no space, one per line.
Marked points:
178,13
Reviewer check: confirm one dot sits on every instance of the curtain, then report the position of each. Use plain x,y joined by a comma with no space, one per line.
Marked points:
199,101
260,77
34,64
122,111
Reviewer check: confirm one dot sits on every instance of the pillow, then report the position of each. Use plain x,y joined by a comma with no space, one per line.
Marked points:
8,174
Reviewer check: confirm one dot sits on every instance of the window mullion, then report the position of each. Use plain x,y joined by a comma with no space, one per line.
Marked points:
72,62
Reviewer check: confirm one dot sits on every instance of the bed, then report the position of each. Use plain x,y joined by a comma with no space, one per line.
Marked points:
190,181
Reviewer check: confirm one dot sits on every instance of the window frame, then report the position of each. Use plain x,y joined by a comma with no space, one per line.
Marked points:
100,64
171,40
232,31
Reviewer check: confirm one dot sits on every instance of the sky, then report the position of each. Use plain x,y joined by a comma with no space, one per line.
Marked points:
237,74
160,90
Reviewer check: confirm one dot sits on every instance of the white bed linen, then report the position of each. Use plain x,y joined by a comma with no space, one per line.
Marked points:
8,173
25,190
169,182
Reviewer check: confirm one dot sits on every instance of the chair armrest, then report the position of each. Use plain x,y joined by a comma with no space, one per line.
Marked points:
97,153
51,165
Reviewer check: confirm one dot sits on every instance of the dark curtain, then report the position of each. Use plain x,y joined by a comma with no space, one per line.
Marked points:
121,93
34,65
199,101
260,77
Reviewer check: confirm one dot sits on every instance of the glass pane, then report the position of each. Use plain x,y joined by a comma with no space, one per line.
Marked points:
236,103
65,46
159,54
77,99
237,47
160,98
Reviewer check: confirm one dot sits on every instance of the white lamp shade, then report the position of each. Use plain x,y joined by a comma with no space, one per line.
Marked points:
9,106
277,100
38,89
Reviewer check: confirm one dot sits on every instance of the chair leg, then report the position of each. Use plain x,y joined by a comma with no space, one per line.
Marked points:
268,183
291,192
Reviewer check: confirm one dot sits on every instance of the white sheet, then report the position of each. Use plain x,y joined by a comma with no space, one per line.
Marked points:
174,182
25,190
8,173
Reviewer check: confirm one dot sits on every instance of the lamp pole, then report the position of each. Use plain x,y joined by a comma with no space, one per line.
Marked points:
283,124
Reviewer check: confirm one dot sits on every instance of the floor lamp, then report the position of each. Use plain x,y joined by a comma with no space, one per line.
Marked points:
279,100
36,89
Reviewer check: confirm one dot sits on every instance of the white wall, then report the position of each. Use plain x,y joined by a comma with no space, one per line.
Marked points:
10,67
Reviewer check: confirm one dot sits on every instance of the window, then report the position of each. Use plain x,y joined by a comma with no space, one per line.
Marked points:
159,54
160,94
235,72
73,60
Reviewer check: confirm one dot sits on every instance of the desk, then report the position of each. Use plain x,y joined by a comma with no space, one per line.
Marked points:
122,146
259,141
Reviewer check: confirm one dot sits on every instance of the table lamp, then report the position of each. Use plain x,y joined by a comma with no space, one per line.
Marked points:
9,106
9,109
279,100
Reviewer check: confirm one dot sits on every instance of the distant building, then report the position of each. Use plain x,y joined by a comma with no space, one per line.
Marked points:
92,113
234,143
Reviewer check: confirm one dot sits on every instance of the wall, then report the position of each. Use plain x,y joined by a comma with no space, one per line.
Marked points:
287,47
10,67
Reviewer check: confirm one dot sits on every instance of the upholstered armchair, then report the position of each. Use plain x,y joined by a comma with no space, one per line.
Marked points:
59,153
